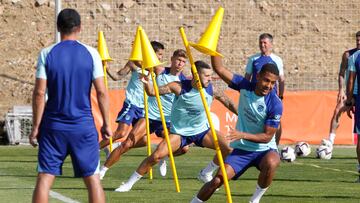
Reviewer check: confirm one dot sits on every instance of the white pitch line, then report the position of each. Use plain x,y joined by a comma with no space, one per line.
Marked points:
327,168
61,197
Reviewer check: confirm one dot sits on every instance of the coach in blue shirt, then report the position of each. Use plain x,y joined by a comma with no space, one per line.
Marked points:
64,125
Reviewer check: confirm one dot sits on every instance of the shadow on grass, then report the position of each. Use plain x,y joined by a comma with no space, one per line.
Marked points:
18,161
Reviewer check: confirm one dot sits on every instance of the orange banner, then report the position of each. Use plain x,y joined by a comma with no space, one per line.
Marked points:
306,116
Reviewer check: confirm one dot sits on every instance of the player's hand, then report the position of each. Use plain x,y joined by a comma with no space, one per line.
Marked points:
106,132
349,107
341,96
350,111
144,79
234,135
33,137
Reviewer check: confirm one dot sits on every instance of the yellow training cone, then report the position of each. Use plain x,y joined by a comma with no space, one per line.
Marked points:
102,48
208,42
149,57
136,54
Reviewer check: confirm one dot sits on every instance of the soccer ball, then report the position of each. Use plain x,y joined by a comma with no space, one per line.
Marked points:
302,149
326,142
287,154
323,152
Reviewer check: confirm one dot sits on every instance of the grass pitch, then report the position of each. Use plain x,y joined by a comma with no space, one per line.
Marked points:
306,180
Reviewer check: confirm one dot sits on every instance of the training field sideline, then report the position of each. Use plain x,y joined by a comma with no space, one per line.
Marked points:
306,180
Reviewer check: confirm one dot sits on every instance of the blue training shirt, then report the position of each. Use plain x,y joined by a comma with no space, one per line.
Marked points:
188,116
166,100
256,62
69,68
254,112
135,89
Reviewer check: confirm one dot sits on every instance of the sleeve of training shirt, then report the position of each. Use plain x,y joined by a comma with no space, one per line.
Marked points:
98,70
275,111
40,68
279,64
238,82
249,65
351,63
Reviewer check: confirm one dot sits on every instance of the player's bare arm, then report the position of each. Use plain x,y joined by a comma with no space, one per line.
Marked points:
225,100
341,76
103,100
221,70
265,137
129,66
173,87
349,94
38,105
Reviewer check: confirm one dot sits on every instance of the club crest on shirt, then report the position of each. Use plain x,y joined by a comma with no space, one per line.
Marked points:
277,117
260,108
127,117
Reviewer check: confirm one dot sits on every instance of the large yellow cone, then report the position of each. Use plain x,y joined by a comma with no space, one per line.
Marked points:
208,42
136,54
102,48
149,57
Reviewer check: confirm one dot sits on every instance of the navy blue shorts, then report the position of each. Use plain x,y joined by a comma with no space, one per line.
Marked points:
130,114
157,127
196,139
56,145
241,160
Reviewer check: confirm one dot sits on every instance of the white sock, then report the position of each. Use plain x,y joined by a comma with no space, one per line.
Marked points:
134,178
104,168
196,200
332,137
259,192
210,168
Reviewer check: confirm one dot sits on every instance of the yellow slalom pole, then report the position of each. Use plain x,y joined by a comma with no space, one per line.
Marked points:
213,132
166,133
147,127
107,88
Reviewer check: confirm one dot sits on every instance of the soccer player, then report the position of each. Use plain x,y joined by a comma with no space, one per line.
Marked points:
168,75
340,106
259,113
255,63
354,73
133,107
64,124
188,123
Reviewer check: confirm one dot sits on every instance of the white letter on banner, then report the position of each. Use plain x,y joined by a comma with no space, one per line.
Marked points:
229,118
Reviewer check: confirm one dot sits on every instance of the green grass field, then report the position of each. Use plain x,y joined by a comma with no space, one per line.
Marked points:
306,180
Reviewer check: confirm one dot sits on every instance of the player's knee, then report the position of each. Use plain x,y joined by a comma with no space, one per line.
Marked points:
185,149
126,145
272,163
217,181
156,157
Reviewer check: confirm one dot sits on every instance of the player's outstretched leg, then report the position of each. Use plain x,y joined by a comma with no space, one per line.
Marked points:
334,124
134,138
160,152
210,187
206,174
268,165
